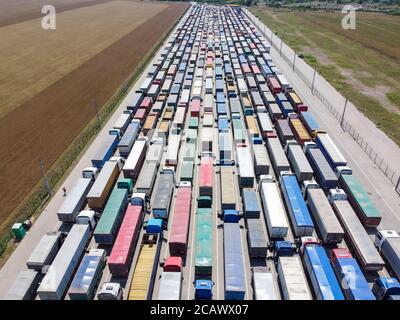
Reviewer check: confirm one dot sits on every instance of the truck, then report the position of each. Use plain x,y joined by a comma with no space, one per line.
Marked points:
225,146
292,279
298,212
179,228
329,228
228,195
104,150
358,198
263,282
186,172
203,242
171,279
207,139
299,163
129,137
256,238
320,271
299,132
87,277
101,188
147,177
142,283
265,124
174,143
235,286
261,159
45,251
59,274
251,207
122,122
284,131
277,156
274,211
355,233
388,244
386,288
322,170
245,166
124,246
24,286
110,291
134,162
75,200
111,218
203,289
162,200
206,175
350,276
330,150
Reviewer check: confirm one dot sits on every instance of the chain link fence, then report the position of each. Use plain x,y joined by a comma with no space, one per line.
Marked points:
379,161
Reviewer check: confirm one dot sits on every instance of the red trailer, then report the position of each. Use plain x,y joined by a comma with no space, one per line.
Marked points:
271,134
173,264
206,176
180,222
122,252
273,85
195,108
256,70
146,104
246,68
140,115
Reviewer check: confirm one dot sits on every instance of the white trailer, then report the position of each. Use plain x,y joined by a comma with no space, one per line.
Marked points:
170,286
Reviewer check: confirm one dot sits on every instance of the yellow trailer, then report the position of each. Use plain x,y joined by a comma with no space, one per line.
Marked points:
252,126
150,122
168,113
146,268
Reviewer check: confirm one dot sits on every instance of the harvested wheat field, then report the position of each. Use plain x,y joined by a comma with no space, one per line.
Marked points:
49,81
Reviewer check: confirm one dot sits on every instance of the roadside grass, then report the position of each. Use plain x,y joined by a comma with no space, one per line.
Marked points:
305,31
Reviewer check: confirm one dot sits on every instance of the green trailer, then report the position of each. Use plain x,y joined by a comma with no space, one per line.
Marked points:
186,173
191,136
204,243
193,123
360,201
239,133
189,153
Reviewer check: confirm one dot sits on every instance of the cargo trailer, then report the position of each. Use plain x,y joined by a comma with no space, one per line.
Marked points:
274,112
235,286
75,200
55,282
147,177
330,150
207,139
299,132
239,132
251,207
261,159
104,150
264,287
265,124
170,286
277,156
256,238
142,283
228,195
180,221
329,228
24,286
193,123
245,166
299,163
299,215
310,123
134,162
155,150
322,170
179,118
111,218
45,251
206,176
174,143
388,244
208,120
203,260
162,200
320,271
150,123
274,85
186,171
252,127
122,122
101,188
87,277
357,236
123,249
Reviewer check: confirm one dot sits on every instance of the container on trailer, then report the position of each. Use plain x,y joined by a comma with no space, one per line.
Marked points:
228,195
150,123
45,251
122,122
277,156
330,150
83,286
261,159
102,186
310,123
111,218
252,126
129,137
155,150
283,81
206,176
256,238
298,212
189,152
353,282
208,120
320,271
223,124
245,166
195,108
207,139
299,162
264,287
329,228
179,118
191,136
265,124
208,104
174,142
141,287
299,132
104,150
140,115
322,170
225,146
180,223
203,260
75,200
134,162
170,286
24,286
295,100
274,85
235,286
163,128
239,132
251,207
355,233
274,112
55,282
147,177
162,200
123,249
135,102
388,243
193,123
186,172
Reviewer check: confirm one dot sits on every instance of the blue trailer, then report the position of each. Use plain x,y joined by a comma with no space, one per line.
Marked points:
251,206
310,123
266,71
286,108
322,170
105,150
354,284
223,124
221,109
298,212
320,271
220,97
330,150
131,133
235,286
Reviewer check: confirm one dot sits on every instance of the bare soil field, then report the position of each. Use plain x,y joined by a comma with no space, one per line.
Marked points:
43,126
32,59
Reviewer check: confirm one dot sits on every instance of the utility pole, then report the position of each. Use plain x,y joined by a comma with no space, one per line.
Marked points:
344,110
46,181
97,113
294,59
313,79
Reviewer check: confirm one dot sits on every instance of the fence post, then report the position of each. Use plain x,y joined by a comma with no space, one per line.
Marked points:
46,180
398,184
313,79
294,59
344,110
280,50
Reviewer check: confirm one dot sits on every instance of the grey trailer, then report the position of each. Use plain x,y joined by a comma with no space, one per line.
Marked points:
24,286
147,177
256,238
278,157
299,162
170,286
45,251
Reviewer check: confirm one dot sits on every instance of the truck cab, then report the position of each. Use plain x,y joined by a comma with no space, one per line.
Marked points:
115,132
386,289
172,264
155,226
118,160
203,290
110,291
169,170
343,170
306,185
288,143
305,241
87,217
257,140
231,215
309,145
383,235
140,199
336,194
90,173
283,248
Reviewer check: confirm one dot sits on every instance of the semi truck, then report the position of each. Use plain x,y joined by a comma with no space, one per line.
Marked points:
104,150
171,279
228,194
134,162
261,159
251,207
147,177
299,163
162,200
330,150
45,251
206,175
203,261
277,156
129,137
388,244
256,238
